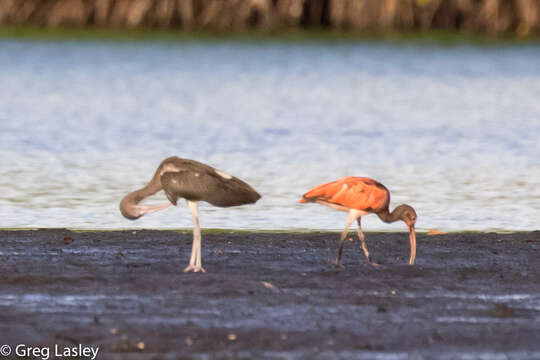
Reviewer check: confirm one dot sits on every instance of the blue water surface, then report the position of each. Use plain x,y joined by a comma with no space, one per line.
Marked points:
453,132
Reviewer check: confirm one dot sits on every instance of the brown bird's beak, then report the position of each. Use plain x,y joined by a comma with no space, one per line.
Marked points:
133,212
143,210
412,238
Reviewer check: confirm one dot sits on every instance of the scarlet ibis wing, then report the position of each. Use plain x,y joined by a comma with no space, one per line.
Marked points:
352,192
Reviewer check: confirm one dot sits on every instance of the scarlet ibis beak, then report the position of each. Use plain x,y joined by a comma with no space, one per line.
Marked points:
412,238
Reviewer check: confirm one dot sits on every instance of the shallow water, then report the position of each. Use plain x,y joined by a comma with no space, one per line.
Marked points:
452,131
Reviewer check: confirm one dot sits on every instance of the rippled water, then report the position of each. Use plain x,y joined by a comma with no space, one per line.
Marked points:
454,132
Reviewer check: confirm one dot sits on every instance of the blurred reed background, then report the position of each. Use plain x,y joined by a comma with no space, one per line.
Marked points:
521,17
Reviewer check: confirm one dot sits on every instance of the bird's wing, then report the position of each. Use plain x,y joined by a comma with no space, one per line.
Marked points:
323,192
352,192
207,184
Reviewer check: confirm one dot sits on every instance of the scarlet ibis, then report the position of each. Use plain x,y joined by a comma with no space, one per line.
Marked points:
360,196
193,181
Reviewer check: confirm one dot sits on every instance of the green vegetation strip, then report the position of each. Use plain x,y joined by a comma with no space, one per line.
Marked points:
266,231
440,38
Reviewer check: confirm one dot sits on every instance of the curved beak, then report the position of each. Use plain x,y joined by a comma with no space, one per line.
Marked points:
133,212
412,238
147,209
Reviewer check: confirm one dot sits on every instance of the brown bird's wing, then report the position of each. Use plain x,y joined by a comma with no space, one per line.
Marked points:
352,192
195,181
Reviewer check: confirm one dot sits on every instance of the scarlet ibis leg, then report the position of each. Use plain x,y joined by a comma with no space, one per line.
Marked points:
363,239
353,215
363,243
195,262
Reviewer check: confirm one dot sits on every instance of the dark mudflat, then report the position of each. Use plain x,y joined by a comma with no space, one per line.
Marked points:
272,295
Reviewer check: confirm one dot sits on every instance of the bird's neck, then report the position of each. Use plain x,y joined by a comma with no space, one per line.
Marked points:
388,217
151,188
133,198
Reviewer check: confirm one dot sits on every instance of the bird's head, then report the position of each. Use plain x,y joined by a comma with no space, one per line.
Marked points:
129,209
407,214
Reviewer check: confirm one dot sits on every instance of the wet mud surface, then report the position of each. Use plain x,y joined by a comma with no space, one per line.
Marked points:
272,295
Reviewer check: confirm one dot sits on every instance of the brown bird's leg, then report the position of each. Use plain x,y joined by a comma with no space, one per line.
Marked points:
363,242
195,262
352,217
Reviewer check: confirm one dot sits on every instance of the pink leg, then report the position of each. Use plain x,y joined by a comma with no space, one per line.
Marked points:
195,262
353,215
363,243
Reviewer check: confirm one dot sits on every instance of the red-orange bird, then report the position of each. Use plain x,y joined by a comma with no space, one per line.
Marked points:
360,196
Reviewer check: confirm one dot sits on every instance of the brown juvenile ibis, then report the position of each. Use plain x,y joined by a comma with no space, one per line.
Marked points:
193,181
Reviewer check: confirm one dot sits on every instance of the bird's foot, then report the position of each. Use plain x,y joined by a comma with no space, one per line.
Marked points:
371,263
336,264
194,268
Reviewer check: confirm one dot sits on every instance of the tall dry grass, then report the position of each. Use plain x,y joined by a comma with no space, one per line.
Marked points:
491,16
